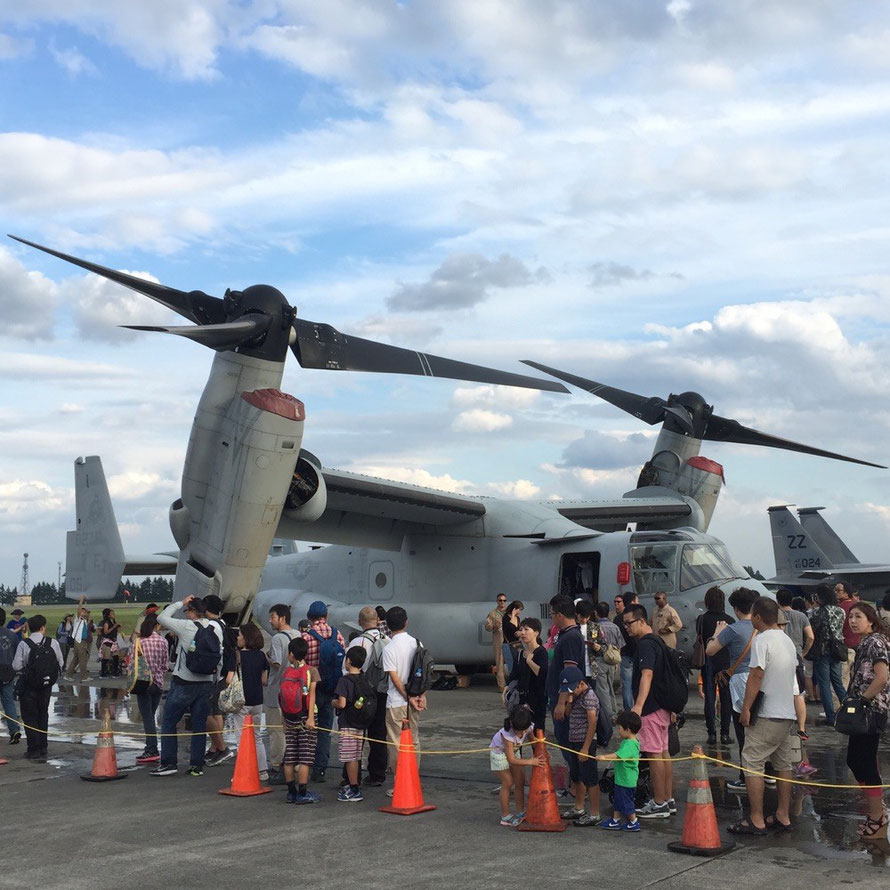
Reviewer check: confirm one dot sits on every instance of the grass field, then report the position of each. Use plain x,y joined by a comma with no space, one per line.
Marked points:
128,616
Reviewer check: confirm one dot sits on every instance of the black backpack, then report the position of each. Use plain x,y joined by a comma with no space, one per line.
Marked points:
42,667
420,677
205,651
361,717
8,644
671,686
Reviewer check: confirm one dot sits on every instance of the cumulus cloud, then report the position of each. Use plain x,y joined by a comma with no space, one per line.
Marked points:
608,274
415,476
11,47
73,61
463,280
490,396
19,498
135,485
601,451
520,489
478,420
27,300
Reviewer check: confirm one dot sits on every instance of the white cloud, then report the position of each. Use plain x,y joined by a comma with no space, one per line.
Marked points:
489,396
73,61
20,498
478,420
415,476
135,485
27,300
521,489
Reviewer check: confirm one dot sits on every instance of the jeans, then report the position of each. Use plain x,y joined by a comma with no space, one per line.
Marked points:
7,697
324,720
827,674
508,650
148,705
627,671
561,734
256,712
605,687
183,697
709,675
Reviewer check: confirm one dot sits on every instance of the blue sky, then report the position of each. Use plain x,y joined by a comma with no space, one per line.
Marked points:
689,195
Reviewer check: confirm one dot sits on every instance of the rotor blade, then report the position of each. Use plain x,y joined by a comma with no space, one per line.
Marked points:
196,306
651,410
228,335
724,429
322,346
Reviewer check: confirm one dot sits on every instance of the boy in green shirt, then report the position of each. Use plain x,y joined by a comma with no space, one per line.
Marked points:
627,773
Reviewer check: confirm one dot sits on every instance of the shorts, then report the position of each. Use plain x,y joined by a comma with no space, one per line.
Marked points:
299,743
498,760
214,698
770,740
587,773
623,800
350,744
653,735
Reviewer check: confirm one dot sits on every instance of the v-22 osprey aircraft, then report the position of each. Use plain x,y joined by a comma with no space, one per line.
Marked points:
246,480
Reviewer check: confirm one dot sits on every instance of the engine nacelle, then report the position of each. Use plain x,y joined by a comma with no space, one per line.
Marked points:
307,496
247,473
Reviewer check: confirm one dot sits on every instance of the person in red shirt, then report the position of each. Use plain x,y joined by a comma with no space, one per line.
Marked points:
847,597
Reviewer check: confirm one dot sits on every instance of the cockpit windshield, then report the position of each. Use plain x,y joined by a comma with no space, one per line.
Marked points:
654,568
705,564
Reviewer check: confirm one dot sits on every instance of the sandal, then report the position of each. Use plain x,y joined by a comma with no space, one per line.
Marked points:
773,824
871,827
744,826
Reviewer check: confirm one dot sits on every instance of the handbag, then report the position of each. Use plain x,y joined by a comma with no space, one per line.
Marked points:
838,649
724,677
856,716
611,654
512,696
698,648
673,739
139,671
231,699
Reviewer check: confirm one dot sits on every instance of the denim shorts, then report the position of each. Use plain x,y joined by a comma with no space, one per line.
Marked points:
623,800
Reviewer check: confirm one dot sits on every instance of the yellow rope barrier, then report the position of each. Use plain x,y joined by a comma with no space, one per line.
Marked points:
464,751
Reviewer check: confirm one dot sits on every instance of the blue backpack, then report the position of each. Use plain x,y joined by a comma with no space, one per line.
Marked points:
330,660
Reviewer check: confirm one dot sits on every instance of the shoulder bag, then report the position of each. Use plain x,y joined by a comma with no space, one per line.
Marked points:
856,716
724,677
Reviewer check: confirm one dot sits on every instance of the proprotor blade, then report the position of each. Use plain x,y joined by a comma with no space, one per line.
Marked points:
323,346
228,335
651,410
196,306
724,429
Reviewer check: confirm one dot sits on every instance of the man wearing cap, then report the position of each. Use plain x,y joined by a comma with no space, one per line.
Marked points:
17,624
320,630
188,691
80,642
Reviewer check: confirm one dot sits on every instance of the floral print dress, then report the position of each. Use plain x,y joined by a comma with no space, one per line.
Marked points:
873,648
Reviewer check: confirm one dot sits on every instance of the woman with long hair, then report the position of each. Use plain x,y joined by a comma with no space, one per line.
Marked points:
108,648
829,651
510,624
151,646
870,679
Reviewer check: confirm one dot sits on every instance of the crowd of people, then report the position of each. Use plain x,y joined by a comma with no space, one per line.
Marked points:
758,665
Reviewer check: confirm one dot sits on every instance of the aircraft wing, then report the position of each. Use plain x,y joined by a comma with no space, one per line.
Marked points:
371,512
155,564
614,515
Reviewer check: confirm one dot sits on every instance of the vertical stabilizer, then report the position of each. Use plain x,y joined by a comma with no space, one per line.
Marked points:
794,549
94,557
826,538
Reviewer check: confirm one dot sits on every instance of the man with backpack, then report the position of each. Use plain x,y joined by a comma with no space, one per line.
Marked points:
405,696
8,644
657,690
218,751
38,661
374,641
325,653
199,648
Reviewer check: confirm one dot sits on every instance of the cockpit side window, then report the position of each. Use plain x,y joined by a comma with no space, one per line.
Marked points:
703,564
654,568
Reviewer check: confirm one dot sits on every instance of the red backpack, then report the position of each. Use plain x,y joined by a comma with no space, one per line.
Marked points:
293,694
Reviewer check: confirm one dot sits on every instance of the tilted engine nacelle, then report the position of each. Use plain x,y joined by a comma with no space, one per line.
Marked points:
224,528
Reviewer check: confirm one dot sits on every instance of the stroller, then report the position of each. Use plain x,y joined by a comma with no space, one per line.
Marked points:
643,793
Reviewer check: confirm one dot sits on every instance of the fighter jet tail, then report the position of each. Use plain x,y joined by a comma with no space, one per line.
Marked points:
826,538
794,549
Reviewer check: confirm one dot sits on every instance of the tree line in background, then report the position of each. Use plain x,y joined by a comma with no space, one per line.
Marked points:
158,590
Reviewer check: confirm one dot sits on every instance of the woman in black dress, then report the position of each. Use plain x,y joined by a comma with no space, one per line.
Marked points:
530,671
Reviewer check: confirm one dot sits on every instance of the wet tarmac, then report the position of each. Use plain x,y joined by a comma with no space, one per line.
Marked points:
825,818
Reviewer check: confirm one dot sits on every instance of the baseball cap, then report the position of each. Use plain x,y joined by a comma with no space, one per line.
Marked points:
569,679
317,610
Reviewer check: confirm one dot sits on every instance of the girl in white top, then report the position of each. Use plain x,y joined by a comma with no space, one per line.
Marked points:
518,729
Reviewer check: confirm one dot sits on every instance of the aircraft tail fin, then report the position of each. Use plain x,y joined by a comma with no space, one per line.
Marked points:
795,551
94,555
826,538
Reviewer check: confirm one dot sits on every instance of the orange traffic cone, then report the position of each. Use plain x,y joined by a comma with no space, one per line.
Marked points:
407,798
246,778
104,760
542,812
701,837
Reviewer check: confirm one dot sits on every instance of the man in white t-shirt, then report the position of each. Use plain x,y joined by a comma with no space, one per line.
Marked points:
769,733
397,659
